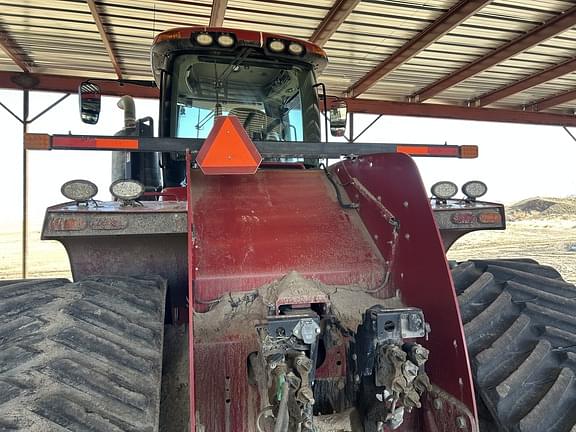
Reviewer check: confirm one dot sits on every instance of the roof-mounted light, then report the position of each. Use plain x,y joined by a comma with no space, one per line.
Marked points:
204,39
295,48
225,40
127,190
474,189
277,45
80,191
444,190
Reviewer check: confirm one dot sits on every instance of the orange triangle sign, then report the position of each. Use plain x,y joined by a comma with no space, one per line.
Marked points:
228,149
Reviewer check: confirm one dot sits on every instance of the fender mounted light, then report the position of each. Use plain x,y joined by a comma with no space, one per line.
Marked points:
474,189
444,190
80,191
127,190
228,149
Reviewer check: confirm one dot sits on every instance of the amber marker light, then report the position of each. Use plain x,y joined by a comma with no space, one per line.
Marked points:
37,141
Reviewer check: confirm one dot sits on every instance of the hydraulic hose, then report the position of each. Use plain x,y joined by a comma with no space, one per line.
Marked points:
282,421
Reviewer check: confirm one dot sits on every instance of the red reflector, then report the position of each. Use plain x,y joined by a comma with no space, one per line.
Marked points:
94,143
464,218
116,143
228,149
490,218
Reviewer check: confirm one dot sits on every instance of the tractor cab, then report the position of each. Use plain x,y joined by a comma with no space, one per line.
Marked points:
267,81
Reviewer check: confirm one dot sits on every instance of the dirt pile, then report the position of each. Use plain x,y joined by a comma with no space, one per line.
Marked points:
241,312
543,208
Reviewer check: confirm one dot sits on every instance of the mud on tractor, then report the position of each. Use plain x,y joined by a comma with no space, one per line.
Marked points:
293,295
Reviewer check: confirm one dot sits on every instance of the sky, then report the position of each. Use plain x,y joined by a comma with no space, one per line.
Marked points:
516,161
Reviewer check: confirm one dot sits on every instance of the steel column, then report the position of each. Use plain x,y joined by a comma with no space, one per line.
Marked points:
25,113
552,27
25,122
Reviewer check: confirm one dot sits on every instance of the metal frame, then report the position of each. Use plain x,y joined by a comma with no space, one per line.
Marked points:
551,101
10,48
368,106
530,81
318,149
550,28
69,84
336,15
218,12
104,36
453,17
333,19
25,121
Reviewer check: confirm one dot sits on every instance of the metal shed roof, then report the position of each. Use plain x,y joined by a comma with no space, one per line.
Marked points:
461,59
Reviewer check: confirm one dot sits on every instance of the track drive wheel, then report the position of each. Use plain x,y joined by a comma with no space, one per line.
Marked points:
84,356
520,325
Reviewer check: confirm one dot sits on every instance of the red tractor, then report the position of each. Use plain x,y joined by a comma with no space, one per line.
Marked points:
317,296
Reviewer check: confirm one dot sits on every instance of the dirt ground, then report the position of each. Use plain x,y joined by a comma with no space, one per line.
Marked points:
45,258
540,228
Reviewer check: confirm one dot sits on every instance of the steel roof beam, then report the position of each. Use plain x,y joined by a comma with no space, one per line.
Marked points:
218,12
104,37
333,19
69,84
552,101
538,78
431,110
450,19
8,45
538,34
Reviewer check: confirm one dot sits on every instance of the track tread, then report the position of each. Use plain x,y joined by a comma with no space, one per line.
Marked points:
520,329
84,356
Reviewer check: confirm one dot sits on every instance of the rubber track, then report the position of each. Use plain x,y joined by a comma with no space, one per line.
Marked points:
521,335
84,356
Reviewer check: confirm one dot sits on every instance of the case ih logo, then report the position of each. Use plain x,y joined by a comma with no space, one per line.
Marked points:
464,218
67,224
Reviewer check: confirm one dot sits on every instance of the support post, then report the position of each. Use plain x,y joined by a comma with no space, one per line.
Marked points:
25,113
25,121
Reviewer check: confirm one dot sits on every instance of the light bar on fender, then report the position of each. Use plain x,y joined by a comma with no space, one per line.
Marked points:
265,148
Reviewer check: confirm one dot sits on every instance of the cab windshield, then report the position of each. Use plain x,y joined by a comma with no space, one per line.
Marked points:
274,101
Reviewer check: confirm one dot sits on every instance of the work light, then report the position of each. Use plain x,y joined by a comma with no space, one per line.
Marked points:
79,190
127,190
474,189
444,190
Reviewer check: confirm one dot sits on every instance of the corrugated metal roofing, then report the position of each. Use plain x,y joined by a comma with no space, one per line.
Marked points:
60,37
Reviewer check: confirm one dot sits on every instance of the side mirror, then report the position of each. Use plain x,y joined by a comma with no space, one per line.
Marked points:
338,114
89,96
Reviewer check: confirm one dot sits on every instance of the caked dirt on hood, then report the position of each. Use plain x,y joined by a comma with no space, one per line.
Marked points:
241,312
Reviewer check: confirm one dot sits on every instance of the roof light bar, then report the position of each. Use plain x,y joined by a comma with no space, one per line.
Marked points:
276,45
226,40
204,39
